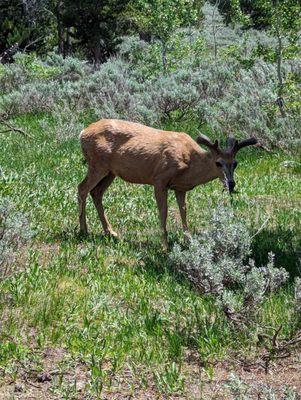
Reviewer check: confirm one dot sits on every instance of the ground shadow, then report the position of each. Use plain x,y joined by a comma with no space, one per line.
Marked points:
286,246
156,261
74,236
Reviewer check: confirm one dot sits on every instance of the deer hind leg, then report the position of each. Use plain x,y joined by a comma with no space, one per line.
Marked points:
161,198
90,181
181,200
97,196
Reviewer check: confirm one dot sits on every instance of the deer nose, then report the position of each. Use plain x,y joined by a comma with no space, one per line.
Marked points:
231,186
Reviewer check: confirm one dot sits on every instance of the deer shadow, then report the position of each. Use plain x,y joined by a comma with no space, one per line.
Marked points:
286,246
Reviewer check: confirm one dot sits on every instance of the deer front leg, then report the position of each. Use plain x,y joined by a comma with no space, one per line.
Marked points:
97,196
181,200
90,181
161,198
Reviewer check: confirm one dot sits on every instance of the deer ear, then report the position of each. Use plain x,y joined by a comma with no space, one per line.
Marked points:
231,142
205,141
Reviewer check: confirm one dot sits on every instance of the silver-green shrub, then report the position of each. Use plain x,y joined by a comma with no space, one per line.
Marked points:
14,232
216,261
239,389
218,92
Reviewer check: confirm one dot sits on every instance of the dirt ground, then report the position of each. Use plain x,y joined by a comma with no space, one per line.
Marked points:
230,380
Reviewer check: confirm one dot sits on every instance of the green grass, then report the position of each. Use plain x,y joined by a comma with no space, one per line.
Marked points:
116,307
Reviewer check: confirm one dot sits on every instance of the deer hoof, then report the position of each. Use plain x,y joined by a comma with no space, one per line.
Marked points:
83,232
165,246
111,234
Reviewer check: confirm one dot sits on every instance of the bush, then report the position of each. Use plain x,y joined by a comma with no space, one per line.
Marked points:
215,262
31,97
12,77
184,49
65,122
67,69
14,232
239,389
220,94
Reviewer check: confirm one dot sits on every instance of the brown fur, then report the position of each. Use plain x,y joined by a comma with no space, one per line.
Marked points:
139,154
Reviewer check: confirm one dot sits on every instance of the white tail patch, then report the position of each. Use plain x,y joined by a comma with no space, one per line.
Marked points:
80,135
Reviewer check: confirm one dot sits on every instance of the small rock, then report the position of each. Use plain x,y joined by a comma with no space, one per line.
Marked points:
18,387
44,377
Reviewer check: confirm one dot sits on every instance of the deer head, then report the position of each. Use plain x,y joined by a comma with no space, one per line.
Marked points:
224,159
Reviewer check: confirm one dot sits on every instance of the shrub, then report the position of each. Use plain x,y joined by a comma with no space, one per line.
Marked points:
174,97
114,92
14,231
215,261
64,123
12,77
32,97
184,49
67,69
220,94
239,389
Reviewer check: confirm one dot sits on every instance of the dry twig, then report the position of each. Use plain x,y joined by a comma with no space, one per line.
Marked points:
11,128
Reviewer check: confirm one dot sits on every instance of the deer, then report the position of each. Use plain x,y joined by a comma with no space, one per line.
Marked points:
166,160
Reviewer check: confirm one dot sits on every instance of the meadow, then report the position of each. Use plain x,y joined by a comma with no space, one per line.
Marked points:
99,318
103,316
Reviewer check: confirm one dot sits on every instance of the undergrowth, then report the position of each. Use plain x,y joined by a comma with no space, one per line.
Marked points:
117,308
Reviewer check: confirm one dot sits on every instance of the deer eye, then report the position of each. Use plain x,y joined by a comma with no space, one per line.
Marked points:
234,164
218,164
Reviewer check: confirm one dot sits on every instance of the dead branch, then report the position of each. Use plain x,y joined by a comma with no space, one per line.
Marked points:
11,128
262,227
278,349
31,43
274,338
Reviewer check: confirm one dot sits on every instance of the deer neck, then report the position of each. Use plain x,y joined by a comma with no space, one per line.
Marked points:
205,168
201,169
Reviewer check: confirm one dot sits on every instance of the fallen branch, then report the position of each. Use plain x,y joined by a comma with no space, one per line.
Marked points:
278,348
261,228
11,128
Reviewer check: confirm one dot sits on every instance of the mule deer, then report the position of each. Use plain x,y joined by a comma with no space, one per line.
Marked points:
164,159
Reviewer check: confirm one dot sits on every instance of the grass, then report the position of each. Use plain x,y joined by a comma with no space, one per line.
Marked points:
115,309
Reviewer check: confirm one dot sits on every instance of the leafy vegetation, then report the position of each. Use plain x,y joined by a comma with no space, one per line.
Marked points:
215,262
99,318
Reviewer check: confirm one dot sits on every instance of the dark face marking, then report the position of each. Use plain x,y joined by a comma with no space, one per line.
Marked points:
224,158
227,168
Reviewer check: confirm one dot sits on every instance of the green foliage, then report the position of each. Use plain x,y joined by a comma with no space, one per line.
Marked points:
183,48
113,314
34,67
96,25
259,13
26,23
14,232
114,311
162,17
215,262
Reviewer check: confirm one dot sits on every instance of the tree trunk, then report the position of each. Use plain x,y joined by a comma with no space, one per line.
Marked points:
67,49
279,101
214,29
164,57
97,53
60,28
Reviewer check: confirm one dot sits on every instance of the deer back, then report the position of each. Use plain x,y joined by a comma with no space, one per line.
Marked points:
137,153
